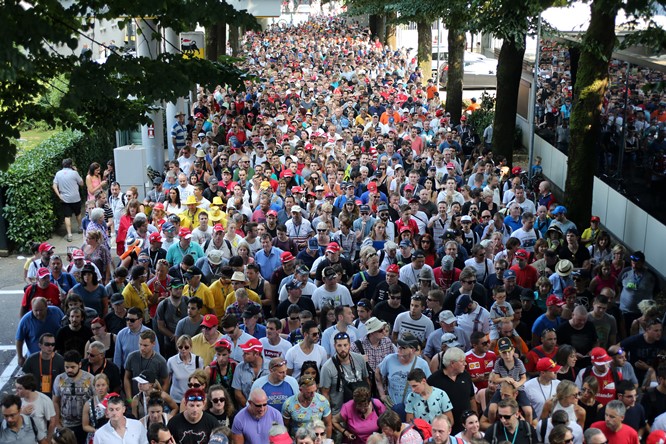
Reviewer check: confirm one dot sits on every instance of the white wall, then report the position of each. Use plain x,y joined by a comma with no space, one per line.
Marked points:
629,223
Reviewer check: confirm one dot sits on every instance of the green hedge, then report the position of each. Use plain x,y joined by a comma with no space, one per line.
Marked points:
31,209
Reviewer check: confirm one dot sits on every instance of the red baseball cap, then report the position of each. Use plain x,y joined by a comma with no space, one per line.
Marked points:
155,237
210,320
185,233
252,345
45,246
333,247
286,257
393,268
522,254
218,228
554,300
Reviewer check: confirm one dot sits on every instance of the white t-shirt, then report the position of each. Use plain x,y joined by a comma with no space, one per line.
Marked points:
538,394
421,328
274,351
478,320
527,238
42,412
340,296
410,276
295,358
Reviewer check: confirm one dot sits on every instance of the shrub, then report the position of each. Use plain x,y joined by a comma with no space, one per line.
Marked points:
32,210
483,116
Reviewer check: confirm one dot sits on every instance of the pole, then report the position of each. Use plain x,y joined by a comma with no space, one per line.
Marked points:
172,44
532,114
623,145
152,135
439,45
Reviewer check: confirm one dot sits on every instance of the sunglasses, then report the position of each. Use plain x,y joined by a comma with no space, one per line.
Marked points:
506,417
259,406
278,364
194,385
217,400
469,282
195,398
183,347
48,344
131,319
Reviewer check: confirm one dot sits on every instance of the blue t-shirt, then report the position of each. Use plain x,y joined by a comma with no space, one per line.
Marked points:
277,394
91,300
543,323
396,373
30,328
437,403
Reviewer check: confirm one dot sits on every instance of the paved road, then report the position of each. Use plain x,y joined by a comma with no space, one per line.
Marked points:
11,293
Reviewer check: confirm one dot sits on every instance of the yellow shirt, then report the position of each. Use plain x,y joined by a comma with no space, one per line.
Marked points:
138,300
220,292
218,213
203,349
231,298
204,293
189,220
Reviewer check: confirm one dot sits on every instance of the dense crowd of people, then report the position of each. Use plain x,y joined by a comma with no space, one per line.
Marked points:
330,258
633,115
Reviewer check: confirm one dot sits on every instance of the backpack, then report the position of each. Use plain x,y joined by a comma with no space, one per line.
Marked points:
494,439
347,387
421,426
617,376
371,374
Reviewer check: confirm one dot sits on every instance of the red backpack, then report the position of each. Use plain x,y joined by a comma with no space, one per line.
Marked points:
422,427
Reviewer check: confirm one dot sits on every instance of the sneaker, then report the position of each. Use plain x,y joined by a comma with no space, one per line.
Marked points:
69,238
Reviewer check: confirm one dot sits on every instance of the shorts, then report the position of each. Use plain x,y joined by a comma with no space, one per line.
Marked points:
71,208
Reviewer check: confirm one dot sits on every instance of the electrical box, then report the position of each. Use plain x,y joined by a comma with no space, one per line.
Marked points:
131,163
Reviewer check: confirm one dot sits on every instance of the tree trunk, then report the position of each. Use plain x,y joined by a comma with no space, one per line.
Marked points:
591,85
234,39
509,69
381,27
424,52
390,38
454,74
221,39
211,43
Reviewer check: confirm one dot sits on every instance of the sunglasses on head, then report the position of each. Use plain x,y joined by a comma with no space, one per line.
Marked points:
195,398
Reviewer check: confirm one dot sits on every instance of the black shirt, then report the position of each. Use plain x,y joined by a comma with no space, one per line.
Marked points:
384,312
304,302
185,432
68,339
382,293
582,340
497,433
109,369
478,296
113,323
460,392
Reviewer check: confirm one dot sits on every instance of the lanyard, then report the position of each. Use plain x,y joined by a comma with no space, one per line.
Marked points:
515,433
41,374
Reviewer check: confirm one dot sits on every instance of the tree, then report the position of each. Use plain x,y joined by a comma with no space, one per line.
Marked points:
511,21
98,94
458,19
591,85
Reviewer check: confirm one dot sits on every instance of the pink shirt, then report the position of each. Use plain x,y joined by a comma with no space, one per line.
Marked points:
360,427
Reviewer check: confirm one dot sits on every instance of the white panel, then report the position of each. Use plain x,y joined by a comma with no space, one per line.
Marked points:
634,227
617,207
600,200
559,168
655,245
131,163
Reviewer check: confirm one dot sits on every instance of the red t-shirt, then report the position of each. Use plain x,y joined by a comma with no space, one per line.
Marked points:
606,382
480,366
532,357
626,434
51,293
526,277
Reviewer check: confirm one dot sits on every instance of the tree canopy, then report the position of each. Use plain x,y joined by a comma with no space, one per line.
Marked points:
98,95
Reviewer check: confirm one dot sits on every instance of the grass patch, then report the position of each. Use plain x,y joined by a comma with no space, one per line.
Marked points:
31,138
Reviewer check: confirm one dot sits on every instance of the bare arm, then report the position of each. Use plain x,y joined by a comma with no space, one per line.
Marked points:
329,425
127,383
379,379
326,392
237,439
56,406
240,397
19,352
85,419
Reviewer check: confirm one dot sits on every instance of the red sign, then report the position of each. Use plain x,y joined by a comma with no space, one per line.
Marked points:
151,131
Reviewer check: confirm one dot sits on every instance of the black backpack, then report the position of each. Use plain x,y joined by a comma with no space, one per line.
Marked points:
347,387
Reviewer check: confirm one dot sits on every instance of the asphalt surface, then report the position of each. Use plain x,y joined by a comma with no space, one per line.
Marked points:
11,293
